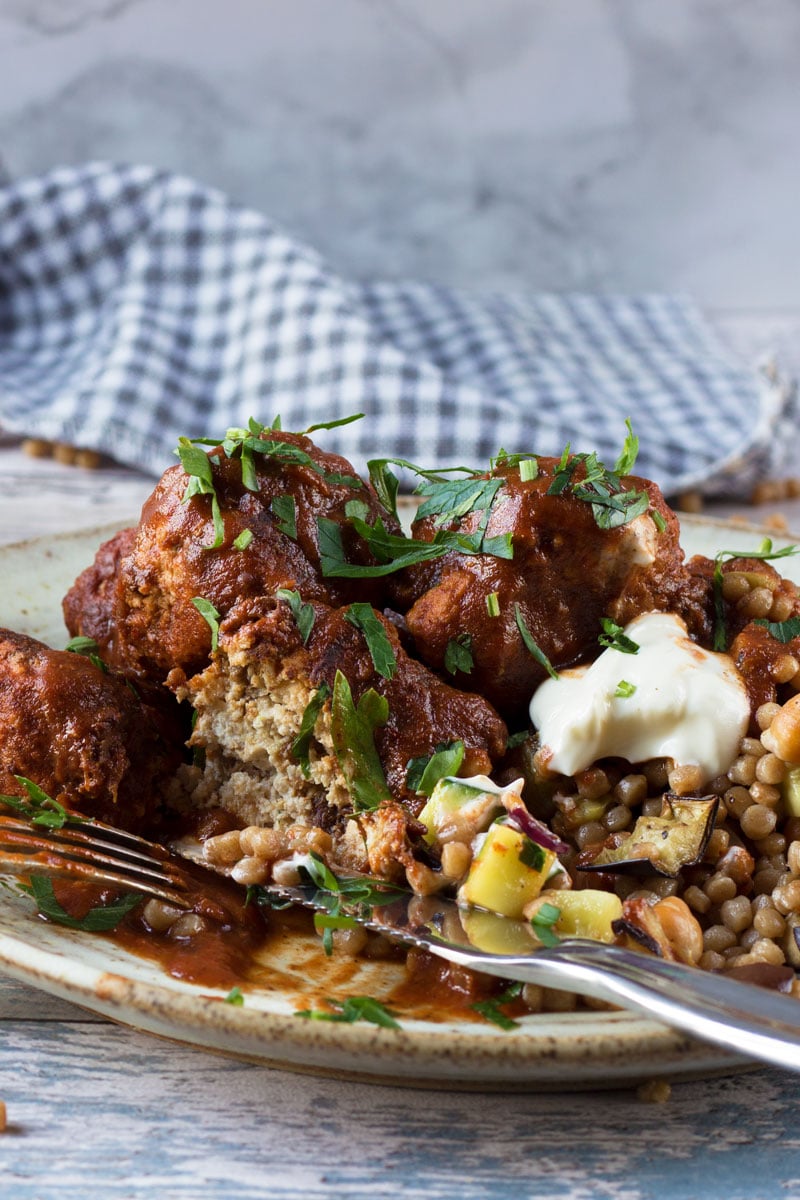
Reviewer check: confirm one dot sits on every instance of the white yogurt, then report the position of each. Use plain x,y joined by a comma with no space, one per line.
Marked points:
687,704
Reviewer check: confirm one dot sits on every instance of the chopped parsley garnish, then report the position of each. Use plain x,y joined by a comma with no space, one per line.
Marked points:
452,499
492,1009
210,616
197,466
458,655
658,520
516,739
352,732
543,921
235,997
765,554
303,613
530,644
243,540
615,638
325,923
782,631
337,424
364,617
624,689
355,1008
493,604
423,773
98,920
284,511
88,647
300,745
39,808
531,855
358,893
612,505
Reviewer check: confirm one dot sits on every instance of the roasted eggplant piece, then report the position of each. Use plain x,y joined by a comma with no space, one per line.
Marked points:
664,844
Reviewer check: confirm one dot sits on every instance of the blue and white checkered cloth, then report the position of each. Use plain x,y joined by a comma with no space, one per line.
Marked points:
137,305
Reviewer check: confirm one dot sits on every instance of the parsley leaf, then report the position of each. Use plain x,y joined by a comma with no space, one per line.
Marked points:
458,654
87,646
630,452
39,808
364,617
210,616
98,920
615,638
335,424
452,499
782,631
530,645
543,921
303,613
235,997
300,745
765,554
492,1009
423,773
197,465
285,512
352,733
356,1008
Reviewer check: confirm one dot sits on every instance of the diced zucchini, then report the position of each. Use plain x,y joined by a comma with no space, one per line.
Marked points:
791,791
456,802
586,914
495,934
507,873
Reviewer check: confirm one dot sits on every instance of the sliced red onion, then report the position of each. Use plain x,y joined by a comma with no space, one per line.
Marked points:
537,831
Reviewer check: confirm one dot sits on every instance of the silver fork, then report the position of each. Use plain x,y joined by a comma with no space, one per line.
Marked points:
93,852
753,1022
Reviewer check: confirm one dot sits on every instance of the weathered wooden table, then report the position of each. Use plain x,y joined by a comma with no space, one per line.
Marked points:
97,1110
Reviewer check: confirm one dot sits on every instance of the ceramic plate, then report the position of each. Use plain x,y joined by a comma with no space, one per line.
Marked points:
571,1050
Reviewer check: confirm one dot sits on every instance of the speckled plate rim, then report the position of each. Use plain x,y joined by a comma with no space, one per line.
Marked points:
547,1051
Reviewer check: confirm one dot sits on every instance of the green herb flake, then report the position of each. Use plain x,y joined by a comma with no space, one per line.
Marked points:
423,773
765,553
284,510
98,920
303,613
364,618
243,540
658,520
356,1008
210,616
88,648
301,744
326,923
615,638
630,452
528,469
517,739
531,855
337,424
458,655
352,732
491,1010
782,631
493,604
235,997
531,646
40,809
624,689
543,921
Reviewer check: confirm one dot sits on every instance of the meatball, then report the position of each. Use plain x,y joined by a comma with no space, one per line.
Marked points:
136,599
566,573
82,735
252,699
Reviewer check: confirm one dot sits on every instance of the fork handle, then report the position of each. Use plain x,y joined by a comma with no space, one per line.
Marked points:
753,1021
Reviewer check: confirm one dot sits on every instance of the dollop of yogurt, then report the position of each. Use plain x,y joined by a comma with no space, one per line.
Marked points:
671,699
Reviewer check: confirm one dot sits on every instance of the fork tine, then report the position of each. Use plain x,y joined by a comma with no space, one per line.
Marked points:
94,852
80,837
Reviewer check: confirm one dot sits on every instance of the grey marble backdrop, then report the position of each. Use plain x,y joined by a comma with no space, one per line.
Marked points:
590,144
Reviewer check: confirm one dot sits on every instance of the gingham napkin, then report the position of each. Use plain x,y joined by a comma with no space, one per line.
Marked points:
137,305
